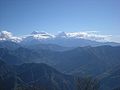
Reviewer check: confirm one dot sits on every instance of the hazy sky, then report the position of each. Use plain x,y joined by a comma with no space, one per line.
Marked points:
25,16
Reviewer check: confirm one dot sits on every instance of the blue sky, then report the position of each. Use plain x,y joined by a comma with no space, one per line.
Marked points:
25,16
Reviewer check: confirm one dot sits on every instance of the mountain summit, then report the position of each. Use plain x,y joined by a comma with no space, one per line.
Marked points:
71,39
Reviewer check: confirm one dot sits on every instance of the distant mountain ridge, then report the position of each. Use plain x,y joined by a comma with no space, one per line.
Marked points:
98,61
74,39
82,60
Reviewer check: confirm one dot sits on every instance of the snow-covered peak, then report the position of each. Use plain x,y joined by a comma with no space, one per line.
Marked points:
41,35
5,35
38,32
61,35
89,36
77,34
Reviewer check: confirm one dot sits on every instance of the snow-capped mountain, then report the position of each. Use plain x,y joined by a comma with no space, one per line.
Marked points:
5,35
62,35
41,35
71,39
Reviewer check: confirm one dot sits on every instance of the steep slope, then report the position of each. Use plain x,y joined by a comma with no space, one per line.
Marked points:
89,60
8,78
39,76
45,77
110,80
82,60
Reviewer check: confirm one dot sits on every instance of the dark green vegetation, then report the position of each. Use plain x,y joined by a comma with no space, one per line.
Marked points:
39,76
101,63
111,79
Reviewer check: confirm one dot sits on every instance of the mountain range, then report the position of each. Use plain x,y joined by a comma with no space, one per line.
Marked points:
73,39
84,60
39,76
55,64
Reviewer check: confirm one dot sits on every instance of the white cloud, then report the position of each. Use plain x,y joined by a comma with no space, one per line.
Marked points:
5,35
91,35
116,38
